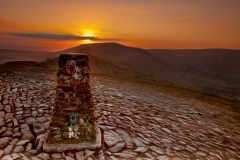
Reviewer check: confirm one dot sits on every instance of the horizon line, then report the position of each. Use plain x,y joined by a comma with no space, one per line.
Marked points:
48,49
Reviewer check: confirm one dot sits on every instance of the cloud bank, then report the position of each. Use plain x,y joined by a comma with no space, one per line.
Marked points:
59,36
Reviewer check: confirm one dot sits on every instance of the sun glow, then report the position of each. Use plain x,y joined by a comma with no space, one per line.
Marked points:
88,33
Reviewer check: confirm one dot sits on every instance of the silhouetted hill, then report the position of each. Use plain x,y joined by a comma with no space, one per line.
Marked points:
19,64
7,55
24,47
131,62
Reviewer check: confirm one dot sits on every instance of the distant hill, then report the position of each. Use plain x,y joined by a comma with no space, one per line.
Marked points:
20,63
130,62
26,47
211,70
7,55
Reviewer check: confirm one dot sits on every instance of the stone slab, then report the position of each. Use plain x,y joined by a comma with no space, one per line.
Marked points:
59,147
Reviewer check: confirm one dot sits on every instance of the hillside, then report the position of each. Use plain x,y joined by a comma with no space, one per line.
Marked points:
130,58
119,60
212,70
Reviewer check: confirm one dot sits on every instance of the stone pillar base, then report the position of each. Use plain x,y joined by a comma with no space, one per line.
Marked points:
60,147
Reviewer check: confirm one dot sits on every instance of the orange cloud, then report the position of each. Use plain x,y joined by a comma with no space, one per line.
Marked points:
185,19
220,26
215,26
6,25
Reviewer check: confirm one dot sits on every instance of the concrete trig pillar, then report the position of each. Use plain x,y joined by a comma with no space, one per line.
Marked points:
73,124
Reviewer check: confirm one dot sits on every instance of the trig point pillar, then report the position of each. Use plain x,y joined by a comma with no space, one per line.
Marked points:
73,124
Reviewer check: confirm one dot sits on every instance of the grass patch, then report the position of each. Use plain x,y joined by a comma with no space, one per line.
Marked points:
90,133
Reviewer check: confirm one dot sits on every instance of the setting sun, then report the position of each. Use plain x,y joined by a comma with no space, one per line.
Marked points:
150,24
88,33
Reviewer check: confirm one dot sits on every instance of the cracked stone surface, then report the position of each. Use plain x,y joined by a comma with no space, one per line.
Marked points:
137,121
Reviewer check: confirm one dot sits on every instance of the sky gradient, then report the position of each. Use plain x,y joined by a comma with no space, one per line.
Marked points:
173,24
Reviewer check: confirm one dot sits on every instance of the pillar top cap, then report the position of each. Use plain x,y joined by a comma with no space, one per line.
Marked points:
67,56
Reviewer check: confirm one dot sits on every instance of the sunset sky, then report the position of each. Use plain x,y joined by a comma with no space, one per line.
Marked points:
60,24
